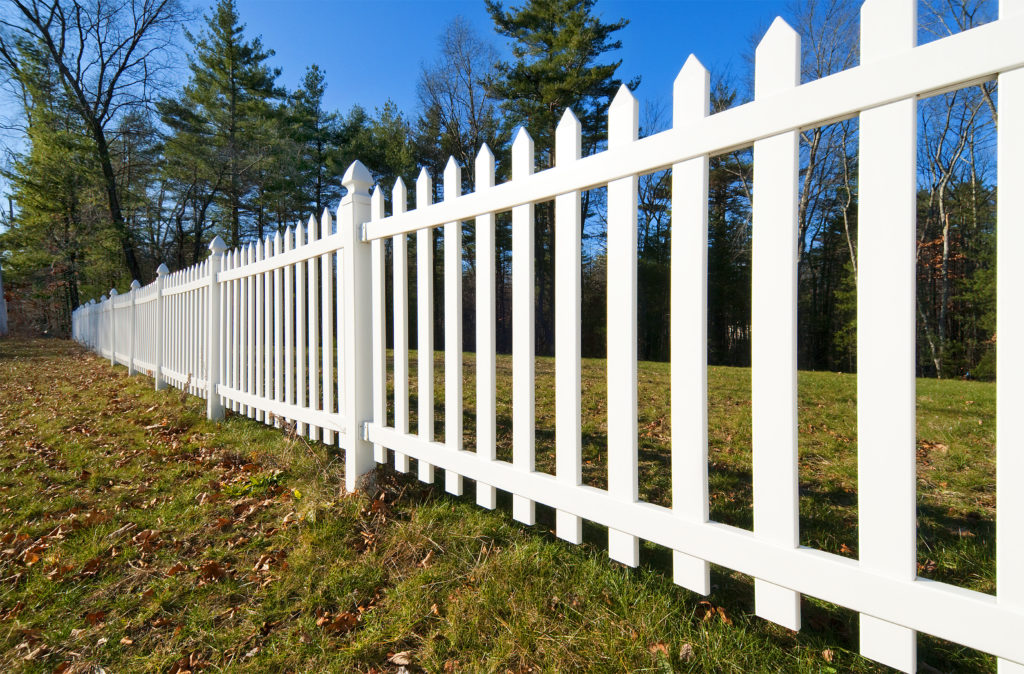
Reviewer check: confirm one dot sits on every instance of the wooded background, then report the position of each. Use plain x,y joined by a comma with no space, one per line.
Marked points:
124,167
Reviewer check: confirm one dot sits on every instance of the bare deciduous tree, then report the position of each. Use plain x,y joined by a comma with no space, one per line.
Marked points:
109,55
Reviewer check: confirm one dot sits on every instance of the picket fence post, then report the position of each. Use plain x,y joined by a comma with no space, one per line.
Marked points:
214,406
133,293
101,311
356,308
113,329
158,366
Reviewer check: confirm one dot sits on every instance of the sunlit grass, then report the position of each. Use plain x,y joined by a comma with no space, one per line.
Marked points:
257,560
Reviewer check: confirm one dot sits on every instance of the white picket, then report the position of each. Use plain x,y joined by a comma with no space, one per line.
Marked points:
773,324
623,126
425,325
452,327
327,314
268,332
289,323
400,289
278,372
313,281
301,319
523,279
380,379
252,336
1010,329
688,329
886,312
486,431
568,377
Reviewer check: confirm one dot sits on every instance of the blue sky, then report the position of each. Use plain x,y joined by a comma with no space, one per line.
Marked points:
373,50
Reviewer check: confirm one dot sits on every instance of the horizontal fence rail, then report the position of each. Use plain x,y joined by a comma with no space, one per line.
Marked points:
291,330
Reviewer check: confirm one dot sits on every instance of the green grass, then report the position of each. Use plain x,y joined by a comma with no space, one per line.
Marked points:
137,536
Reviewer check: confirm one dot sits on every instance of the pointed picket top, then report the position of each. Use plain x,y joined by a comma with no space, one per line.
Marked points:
103,298
484,168
623,118
691,92
326,224
452,179
311,234
162,270
887,27
277,242
289,238
357,178
113,292
377,204
777,60
399,196
135,284
568,146
424,187
218,245
522,154
300,235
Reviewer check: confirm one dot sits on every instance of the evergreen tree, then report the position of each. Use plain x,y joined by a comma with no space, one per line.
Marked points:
556,50
319,140
59,191
218,122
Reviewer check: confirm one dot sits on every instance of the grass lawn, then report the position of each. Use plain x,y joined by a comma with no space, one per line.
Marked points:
137,536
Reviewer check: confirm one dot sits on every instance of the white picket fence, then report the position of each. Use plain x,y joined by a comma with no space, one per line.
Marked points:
254,330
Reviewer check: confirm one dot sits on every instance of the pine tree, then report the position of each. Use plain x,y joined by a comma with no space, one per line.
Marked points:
219,122
556,50
318,135
60,231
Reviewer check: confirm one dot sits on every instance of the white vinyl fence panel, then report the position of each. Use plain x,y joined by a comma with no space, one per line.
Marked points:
262,330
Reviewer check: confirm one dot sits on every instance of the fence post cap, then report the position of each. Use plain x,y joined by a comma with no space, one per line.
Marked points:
217,246
103,298
357,178
135,284
113,292
162,270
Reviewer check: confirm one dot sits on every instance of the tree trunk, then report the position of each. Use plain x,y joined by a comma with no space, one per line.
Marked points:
114,202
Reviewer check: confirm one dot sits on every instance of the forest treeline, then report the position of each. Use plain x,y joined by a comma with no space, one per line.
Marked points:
147,130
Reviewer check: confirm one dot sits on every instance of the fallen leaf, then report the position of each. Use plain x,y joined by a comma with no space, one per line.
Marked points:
660,647
401,658
125,641
828,655
686,653
340,624
95,617
211,570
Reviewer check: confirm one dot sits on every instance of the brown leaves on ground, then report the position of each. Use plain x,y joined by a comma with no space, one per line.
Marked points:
340,623
707,611
187,664
212,571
